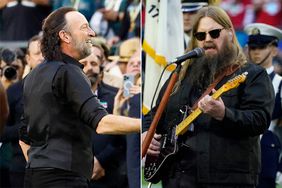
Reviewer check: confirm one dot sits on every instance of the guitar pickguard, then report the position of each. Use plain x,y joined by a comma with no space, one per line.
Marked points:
154,164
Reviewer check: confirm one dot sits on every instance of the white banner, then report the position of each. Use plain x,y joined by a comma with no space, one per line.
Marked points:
163,42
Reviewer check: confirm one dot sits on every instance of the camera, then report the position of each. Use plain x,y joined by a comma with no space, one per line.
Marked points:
128,81
9,70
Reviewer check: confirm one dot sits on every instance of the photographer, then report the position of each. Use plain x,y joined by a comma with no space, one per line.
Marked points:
8,69
33,57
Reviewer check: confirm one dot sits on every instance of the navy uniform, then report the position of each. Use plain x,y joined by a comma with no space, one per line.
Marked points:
189,9
265,38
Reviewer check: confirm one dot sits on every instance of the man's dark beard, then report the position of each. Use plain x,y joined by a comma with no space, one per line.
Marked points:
203,69
93,77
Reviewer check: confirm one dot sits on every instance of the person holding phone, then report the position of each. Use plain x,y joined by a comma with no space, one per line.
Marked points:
128,104
131,85
128,81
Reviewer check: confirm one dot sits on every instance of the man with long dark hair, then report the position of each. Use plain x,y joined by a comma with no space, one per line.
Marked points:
60,110
221,147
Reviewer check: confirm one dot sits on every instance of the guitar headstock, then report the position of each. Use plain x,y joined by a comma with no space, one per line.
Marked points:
235,82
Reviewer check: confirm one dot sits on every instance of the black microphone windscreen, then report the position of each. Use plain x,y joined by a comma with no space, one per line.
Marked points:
200,51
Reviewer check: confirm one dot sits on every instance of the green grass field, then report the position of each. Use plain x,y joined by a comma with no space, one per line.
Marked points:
145,184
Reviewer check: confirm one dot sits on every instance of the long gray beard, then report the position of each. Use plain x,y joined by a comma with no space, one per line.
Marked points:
204,69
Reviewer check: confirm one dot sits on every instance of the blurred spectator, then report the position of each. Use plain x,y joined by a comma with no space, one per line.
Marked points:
134,10
106,168
92,68
277,64
6,154
9,56
10,135
12,66
112,21
101,50
4,110
21,19
240,11
8,71
189,10
262,48
20,63
105,92
3,3
114,71
85,7
269,12
33,54
131,107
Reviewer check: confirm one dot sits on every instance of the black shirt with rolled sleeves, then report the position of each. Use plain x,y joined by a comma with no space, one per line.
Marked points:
60,113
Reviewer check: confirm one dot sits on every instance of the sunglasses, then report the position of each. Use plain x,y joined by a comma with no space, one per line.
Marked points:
200,36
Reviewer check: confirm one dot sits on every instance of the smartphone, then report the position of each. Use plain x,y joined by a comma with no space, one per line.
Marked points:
128,81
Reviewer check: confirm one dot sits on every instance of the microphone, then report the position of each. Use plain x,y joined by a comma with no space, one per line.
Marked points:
197,52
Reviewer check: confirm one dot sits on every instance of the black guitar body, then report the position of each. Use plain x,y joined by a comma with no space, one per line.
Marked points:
155,166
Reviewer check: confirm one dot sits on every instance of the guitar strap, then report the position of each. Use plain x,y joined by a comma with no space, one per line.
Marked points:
227,71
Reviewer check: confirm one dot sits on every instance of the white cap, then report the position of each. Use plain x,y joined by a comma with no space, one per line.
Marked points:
262,34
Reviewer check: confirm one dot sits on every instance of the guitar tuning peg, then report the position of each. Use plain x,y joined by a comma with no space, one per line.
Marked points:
245,73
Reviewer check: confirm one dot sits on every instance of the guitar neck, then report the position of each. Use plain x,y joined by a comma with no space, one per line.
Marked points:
185,124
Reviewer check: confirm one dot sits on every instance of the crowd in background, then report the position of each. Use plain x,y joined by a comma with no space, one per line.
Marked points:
244,12
118,24
115,54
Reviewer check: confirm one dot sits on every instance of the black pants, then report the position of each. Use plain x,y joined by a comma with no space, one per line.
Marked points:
51,177
186,180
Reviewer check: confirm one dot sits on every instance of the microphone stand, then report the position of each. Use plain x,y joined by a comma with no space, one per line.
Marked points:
161,107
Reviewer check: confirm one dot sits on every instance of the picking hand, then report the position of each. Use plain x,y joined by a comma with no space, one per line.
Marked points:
155,146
